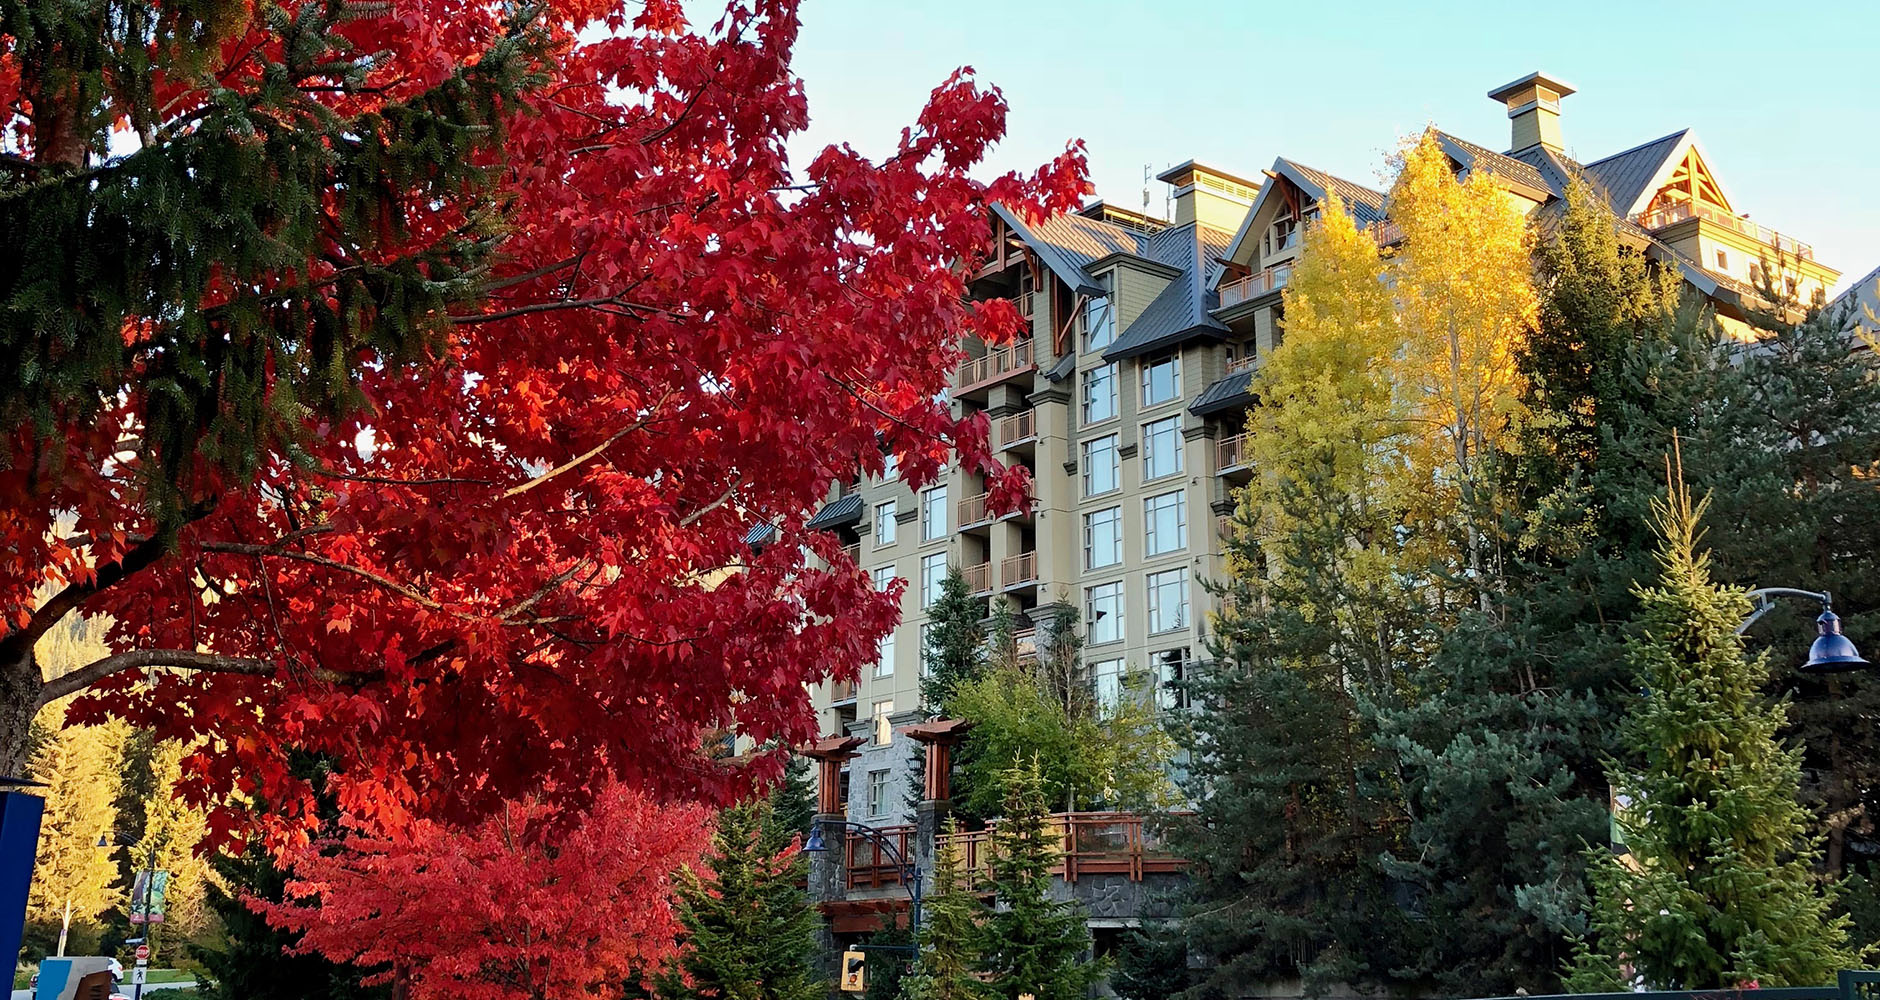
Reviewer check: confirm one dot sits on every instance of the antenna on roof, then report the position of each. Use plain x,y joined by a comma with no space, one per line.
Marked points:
1147,170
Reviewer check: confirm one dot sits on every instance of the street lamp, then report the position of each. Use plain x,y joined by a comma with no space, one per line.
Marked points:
1832,652
65,927
910,873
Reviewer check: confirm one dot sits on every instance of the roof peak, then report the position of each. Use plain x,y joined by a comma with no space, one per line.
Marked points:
1679,134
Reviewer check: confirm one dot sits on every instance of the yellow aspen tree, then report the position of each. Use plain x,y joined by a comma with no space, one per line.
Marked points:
174,827
79,765
1465,306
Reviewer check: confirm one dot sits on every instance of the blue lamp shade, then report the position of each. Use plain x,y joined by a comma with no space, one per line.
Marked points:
1832,651
815,841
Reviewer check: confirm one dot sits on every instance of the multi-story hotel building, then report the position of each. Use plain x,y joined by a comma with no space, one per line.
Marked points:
1127,399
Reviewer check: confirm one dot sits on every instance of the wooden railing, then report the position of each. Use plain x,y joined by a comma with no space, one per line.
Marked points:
1231,453
854,551
978,578
1385,233
1671,214
974,509
1020,426
841,691
1258,283
870,866
1087,844
1246,362
1224,526
994,365
1023,303
1021,568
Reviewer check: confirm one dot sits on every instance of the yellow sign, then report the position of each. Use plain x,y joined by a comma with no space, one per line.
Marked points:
854,975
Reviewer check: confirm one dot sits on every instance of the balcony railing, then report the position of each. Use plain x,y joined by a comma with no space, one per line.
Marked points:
841,691
1023,303
1258,283
978,578
995,365
870,866
1244,363
974,509
1385,233
1020,426
1231,453
1021,568
1224,526
854,552
1088,844
1673,214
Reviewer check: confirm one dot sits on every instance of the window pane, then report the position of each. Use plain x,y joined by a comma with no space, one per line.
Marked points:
884,575
1161,380
1168,600
933,573
933,514
885,524
1100,464
1165,523
884,656
1103,538
1171,667
1107,676
1103,610
877,793
884,730
1161,448
1099,321
1100,394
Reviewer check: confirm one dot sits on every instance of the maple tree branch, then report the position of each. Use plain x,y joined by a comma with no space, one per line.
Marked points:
403,590
139,659
723,498
518,490
598,302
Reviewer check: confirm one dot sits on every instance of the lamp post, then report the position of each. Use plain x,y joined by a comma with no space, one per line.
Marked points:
65,927
150,888
1832,652
911,878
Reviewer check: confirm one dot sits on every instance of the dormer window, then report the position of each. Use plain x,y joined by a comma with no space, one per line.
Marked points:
1283,235
1099,318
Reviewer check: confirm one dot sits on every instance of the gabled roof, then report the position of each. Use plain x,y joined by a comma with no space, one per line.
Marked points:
1230,393
1184,307
1517,173
1064,249
1365,205
1864,293
1630,178
838,513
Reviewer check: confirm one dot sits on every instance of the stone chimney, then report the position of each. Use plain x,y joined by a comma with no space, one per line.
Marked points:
1211,197
1533,104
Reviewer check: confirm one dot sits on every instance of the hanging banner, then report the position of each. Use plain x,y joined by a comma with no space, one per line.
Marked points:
151,905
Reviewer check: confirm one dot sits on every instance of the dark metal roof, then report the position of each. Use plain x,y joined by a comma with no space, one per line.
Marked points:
1062,370
1062,260
1517,172
760,535
1365,205
1624,176
838,513
1230,393
1183,308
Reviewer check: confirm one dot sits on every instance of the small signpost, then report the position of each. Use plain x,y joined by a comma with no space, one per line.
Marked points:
143,954
137,974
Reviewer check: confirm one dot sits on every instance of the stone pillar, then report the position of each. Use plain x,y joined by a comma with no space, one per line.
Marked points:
828,868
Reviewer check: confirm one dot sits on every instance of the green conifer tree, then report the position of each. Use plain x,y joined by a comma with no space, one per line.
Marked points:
956,641
951,934
1034,944
750,929
1720,889
252,960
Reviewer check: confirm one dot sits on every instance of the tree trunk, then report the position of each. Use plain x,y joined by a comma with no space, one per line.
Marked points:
19,699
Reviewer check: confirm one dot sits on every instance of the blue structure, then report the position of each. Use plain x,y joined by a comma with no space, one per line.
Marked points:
20,812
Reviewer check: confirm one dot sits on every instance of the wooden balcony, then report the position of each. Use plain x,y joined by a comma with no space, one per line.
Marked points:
1224,526
841,692
1252,286
978,578
1016,428
1385,233
1245,363
1088,844
974,510
1017,570
869,866
1673,214
1231,454
854,552
995,366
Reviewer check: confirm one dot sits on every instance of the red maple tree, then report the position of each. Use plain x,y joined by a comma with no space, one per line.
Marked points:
524,561
514,908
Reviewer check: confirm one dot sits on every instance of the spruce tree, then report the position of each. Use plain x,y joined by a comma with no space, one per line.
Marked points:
1152,963
253,960
1720,889
1034,944
951,935
750,929
955,651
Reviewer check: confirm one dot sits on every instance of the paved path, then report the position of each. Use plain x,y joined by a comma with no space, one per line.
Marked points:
124,988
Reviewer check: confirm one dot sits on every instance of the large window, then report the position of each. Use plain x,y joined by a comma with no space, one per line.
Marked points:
884,730
884,656
1103,538
1165,524
1100,394
885,524
877,793
1102,469
926,650
1171,669
1099,319
1168,600
1107,677
933,513
1161,380
933,574
1103,612
1161,448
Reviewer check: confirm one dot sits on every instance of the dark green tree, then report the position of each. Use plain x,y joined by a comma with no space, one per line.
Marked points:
750,929
1720,889
793,800
952,938
253,961
1033,943
956,642
1152,963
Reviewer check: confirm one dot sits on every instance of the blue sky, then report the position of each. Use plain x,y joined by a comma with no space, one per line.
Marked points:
1781,95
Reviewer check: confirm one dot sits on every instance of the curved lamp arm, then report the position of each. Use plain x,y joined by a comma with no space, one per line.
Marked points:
1765,600
910,872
